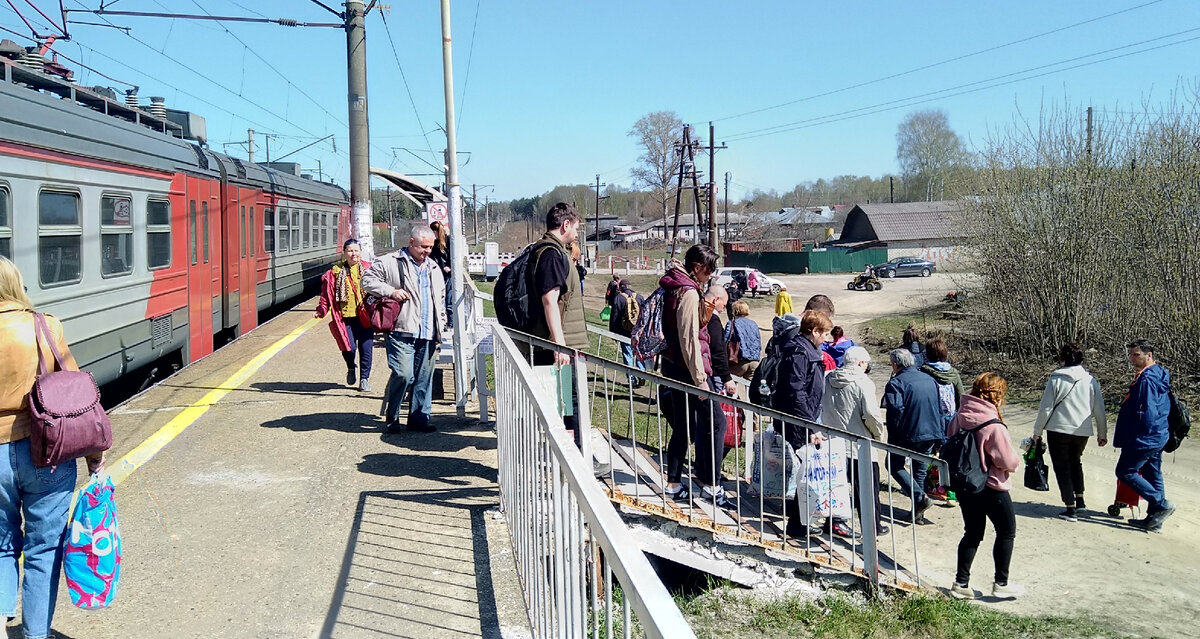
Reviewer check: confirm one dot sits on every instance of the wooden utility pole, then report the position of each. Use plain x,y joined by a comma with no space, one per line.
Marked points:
726,234
597,187
687,167
712,191
1089,132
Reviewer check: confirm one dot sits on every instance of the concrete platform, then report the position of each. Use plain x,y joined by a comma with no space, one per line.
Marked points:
285,511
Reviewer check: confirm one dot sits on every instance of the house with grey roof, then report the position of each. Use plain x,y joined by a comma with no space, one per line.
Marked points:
929,230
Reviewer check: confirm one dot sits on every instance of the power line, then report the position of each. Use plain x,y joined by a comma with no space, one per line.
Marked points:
272,67
210,80
935,64
934,95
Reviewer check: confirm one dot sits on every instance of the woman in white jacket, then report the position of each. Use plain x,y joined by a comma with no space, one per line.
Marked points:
850,403
1070,404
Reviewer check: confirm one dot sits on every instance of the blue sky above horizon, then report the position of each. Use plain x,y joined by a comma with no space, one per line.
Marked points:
546,92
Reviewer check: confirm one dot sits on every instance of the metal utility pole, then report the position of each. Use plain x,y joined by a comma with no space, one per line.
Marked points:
457,263
360,159
250,144
475,213
891,190
712,192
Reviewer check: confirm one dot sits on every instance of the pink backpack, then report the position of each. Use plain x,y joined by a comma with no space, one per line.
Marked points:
67,419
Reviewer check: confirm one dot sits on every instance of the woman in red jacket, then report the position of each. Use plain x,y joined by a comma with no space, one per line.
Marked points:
342,292
980,411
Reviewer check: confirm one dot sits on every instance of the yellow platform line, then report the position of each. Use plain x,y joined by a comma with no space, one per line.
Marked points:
163,436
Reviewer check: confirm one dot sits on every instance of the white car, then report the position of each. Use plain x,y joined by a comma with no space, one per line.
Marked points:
766,284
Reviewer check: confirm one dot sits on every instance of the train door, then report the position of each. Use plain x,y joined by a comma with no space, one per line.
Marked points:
249,260
199,271
232,210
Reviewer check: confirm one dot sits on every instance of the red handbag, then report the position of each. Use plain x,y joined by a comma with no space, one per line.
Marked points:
735,420
67,419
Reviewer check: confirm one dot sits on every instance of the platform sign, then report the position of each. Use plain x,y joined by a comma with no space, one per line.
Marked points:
438,212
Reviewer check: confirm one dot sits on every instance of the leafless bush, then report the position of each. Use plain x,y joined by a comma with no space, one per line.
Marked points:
1096,245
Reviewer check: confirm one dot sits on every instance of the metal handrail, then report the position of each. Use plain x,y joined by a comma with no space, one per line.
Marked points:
724,399
553,506
859,454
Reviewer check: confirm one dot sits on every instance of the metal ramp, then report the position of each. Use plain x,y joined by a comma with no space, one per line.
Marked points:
636,481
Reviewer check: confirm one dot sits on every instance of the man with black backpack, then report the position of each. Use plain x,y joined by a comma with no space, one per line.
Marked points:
1141,433
626,306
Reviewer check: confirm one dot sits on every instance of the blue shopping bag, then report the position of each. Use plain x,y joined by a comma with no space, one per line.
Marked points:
92,551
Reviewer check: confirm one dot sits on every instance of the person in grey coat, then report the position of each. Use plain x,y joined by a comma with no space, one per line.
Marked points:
411,278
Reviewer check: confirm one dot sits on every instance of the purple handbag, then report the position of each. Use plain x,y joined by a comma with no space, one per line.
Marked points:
67,419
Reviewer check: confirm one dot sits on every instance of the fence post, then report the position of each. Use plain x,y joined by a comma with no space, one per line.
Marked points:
583,407
867,488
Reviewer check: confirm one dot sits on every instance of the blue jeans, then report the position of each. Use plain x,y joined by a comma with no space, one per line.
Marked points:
1141,470
362,341
42,496
630,360
914,484
411,362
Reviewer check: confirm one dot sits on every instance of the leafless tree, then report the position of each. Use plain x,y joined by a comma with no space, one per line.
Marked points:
1091,236
657,133
928,152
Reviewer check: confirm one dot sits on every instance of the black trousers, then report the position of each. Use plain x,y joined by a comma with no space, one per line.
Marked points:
694,421
854,486
977,509
1066,456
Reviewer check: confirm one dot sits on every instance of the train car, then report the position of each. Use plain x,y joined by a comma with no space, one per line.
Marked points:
144,242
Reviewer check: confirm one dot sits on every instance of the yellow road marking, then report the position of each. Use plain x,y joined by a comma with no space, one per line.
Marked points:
163,436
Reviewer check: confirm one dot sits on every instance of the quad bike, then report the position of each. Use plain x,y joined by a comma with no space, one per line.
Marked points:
863,282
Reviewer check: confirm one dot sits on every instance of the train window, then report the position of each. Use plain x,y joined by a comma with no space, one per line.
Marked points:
204,221
295,230
5,225
192,229
283,231
242,235
60,238
307,225
268,230
158,234
316,229
250,233
324,229
116,236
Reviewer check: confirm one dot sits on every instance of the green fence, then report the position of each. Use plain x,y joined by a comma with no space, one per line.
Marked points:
833,260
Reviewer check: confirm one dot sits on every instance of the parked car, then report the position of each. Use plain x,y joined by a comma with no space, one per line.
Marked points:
766,284
906,266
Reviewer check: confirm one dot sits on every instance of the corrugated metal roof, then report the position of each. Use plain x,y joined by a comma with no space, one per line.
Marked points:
910,221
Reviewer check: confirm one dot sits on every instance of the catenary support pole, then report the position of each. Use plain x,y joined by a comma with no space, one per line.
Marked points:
712,191
360,159
250,144
457,253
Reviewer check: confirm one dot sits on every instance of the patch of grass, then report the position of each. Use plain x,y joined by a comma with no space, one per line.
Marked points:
730,613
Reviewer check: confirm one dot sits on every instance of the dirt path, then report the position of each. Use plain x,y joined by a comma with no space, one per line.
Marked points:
1099,567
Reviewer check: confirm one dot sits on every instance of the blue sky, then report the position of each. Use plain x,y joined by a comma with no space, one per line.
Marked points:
547,91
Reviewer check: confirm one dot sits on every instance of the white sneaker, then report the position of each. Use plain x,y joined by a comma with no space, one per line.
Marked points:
961,592
1010,591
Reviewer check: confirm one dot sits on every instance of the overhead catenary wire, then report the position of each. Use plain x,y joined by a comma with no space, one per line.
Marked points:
462,98
954,91
933,65
404,79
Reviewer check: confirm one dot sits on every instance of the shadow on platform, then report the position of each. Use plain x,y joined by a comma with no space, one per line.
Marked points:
417,565
344,422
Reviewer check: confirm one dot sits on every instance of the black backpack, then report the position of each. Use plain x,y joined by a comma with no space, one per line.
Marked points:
762,385
1179,423
961,453
514,304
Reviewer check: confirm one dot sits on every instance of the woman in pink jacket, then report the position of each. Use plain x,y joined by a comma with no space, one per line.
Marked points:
341,295
981,410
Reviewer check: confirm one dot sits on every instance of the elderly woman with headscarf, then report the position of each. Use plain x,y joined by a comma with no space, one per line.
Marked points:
342,292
